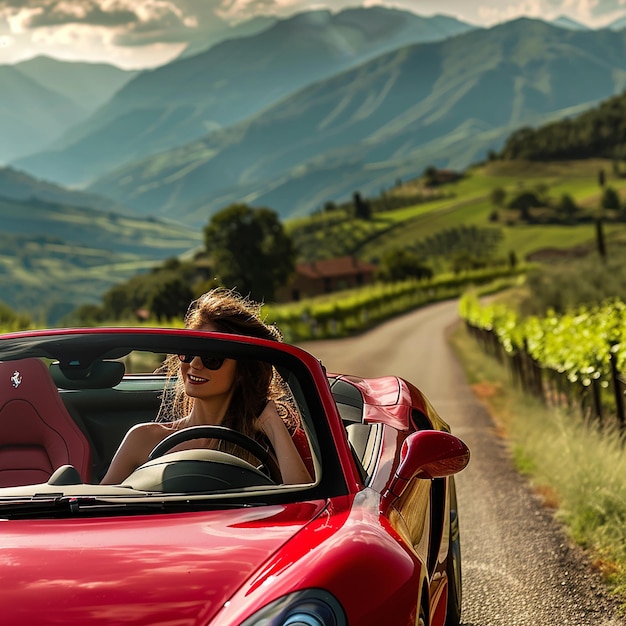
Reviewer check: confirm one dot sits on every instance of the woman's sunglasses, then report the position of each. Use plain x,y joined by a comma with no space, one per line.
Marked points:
210,362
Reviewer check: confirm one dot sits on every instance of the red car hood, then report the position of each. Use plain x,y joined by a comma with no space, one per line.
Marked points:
160,569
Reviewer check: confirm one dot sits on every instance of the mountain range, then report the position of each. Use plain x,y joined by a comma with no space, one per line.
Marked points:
232,81
43,97
303,111
445,103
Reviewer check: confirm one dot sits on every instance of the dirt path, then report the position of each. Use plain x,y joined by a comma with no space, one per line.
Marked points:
519,568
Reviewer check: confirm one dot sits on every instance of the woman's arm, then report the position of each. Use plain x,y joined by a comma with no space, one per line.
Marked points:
292,467
133,452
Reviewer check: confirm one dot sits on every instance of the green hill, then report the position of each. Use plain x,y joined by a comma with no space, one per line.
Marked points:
445,103
468,204
455,229
600,131
54,257
21,186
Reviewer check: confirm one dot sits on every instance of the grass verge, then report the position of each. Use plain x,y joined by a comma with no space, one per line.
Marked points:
576,466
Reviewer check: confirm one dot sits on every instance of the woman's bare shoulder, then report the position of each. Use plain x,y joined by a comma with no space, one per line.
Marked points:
149,433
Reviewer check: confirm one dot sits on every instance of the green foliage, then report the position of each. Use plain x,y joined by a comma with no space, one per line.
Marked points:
610,199
599,132
473,243
149,291
430,176
362,210
341,314
498,196
250,249
573,283
525,201
10,320
336,234
171,299
577,343
567,208
400,264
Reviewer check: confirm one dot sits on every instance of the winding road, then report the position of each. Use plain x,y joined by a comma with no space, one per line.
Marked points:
519,567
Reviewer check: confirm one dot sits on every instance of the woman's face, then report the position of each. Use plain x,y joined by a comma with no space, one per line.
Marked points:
204,383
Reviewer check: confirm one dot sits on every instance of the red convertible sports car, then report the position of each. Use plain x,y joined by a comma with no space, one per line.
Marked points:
200,536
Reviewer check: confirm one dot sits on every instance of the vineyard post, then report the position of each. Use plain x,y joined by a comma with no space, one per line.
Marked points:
538,382
597,400
516,370
617,388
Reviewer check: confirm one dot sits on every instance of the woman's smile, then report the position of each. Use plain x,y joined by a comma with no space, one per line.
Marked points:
196,380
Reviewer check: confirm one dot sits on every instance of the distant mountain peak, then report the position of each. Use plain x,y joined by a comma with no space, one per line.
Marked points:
566,22
319,17
618,24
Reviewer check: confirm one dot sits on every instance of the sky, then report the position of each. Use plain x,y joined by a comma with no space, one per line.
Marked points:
135,34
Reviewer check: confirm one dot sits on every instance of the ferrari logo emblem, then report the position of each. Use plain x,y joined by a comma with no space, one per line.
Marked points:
16,379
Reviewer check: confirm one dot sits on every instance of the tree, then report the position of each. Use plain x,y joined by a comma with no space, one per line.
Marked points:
362,209
600,244
498,196
250,249
525,201
567,207
86,315
119,301
610,198
11,320
401,264
431,176
171,299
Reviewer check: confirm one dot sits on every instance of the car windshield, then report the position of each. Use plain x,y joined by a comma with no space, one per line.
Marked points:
69,401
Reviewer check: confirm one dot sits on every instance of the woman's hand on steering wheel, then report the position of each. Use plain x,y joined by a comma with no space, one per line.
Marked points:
224,434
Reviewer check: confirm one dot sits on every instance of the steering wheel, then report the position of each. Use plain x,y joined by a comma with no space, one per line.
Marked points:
269,464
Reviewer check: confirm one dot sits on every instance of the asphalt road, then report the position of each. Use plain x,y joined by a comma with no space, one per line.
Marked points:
519,568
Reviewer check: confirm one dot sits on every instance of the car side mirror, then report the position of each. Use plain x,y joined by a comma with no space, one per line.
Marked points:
426,454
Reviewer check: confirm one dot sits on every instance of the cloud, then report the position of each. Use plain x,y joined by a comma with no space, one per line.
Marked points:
136,23
596,8
36,14
98,30
243,9
591,12
43,13
138,33
511,10
128,22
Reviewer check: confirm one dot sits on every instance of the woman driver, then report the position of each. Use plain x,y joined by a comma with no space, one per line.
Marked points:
242,395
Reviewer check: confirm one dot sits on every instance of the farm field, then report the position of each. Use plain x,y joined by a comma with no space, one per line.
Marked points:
471,204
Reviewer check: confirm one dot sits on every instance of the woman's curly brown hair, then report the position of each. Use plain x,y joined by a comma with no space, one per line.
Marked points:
256,382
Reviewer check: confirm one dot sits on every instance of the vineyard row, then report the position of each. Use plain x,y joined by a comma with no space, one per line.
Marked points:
572,358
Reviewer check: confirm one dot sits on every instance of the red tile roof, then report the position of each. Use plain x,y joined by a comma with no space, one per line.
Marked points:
330,268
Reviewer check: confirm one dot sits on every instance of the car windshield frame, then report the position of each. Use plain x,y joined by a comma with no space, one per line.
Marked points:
73,353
